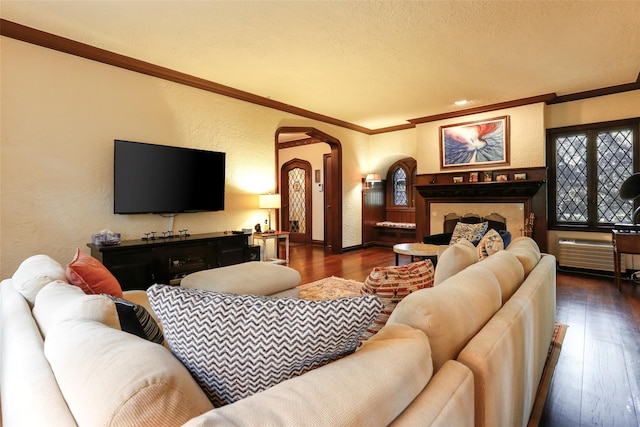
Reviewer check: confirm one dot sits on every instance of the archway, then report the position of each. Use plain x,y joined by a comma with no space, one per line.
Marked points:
296,136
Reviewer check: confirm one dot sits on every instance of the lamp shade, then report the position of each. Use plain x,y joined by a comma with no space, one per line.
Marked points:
373,177
630,188
269,201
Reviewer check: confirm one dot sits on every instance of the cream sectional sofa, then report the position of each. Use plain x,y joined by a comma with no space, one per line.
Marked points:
455,354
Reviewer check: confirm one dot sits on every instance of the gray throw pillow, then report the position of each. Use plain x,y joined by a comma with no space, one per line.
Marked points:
238,345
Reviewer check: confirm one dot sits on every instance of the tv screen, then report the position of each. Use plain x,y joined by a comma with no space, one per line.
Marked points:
151,178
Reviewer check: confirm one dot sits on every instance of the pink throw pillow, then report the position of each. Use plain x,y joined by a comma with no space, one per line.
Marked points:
91,276
391,285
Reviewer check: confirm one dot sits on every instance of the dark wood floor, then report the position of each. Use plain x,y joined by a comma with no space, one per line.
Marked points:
597,379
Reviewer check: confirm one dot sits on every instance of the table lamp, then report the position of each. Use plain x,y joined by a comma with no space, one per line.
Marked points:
269,201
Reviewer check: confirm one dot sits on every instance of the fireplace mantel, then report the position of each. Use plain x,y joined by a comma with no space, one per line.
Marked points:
481,190
531,192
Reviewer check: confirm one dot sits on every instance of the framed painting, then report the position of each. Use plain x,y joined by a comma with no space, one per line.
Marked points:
484,142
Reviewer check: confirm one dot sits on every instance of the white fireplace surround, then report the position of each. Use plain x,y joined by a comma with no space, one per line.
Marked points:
513,212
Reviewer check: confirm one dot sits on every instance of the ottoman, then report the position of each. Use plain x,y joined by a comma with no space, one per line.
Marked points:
255,277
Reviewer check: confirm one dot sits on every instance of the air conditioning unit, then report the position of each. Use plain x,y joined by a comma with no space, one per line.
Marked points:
587,255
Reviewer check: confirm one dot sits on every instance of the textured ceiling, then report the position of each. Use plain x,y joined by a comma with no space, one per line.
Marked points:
370,63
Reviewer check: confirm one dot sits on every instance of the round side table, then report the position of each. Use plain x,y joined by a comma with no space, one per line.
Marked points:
422,250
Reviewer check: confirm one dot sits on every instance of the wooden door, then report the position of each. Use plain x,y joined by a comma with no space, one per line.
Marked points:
328,189
296,200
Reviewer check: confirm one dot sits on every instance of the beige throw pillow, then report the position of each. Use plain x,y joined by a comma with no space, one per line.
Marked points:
59,301
34,274
112,378
455,259
527,251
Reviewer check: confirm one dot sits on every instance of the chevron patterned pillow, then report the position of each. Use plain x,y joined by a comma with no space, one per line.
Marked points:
238,345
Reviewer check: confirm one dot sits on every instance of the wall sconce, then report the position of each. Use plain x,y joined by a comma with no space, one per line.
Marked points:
371,178
269,201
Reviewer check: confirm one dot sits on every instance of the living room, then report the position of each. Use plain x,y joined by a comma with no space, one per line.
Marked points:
67,94
62,112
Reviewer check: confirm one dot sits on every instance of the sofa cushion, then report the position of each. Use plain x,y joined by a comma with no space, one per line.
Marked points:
34,273
60,301
258,278
30,393
110,377
470,232
454,259
527,251
238,345
91,276
490,243
507,269
451,313
135,319
393,283
370,387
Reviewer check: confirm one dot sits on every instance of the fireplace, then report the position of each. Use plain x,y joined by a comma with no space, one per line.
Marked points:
513,212
516,200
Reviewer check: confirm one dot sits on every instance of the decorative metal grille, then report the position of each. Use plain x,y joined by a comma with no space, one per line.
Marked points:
571,167
399,187
615,164
297,198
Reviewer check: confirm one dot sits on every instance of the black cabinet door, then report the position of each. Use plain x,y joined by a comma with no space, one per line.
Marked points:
232,250
132,269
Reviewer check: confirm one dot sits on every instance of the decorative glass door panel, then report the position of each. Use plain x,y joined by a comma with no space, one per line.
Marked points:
296,200
297,205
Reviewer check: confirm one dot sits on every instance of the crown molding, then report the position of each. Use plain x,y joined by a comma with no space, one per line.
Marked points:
72,47
51,41
485,108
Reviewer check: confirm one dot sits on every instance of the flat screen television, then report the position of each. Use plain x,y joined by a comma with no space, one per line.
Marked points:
151,178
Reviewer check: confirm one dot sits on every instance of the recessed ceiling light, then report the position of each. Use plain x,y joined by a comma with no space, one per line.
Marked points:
461,102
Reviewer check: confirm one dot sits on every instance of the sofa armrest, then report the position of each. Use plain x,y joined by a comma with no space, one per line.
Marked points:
369,387
446,401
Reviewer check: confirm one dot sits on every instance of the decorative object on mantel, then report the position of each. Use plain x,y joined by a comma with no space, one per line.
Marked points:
528,225
473,177
519,176
458,179
502,177
488,177
480,142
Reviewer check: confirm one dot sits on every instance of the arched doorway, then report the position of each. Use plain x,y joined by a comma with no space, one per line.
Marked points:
292,136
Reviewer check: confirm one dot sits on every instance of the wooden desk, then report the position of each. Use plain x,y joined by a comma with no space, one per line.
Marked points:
624,242
276,235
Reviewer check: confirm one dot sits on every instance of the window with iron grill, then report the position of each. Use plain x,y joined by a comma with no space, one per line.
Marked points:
400,187
587,166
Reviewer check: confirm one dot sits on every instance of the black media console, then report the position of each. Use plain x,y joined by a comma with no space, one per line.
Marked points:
138,264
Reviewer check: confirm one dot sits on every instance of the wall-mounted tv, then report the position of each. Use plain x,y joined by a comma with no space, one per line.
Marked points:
151,178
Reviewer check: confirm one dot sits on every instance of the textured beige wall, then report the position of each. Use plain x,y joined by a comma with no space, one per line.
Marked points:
593,110
387,148
526,136
60,115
